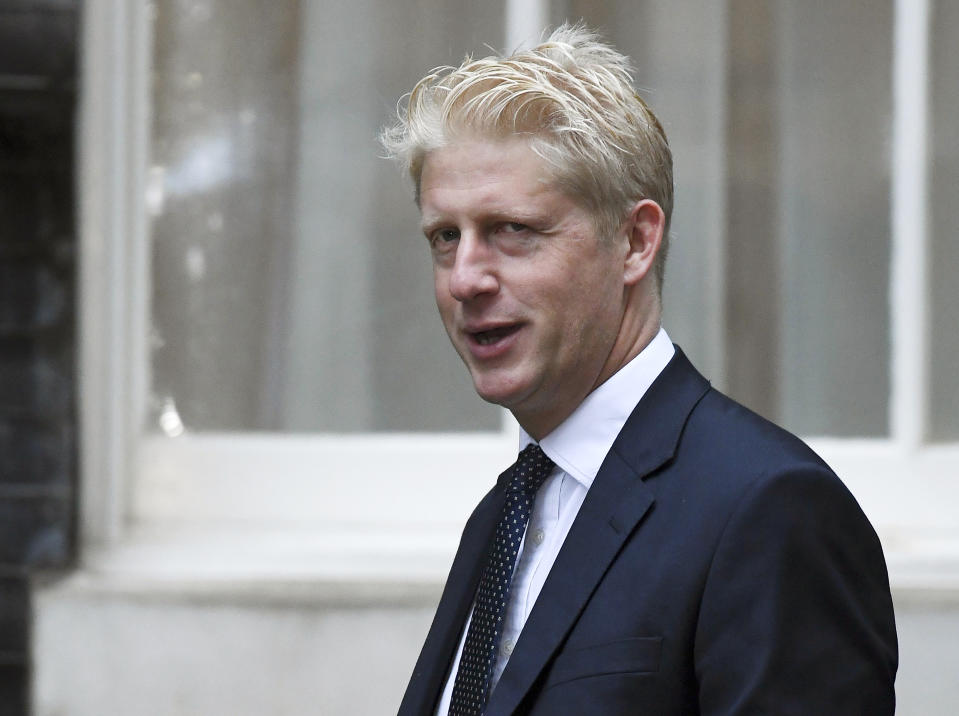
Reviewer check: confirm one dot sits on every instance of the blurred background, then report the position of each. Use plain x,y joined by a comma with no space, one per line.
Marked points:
228,410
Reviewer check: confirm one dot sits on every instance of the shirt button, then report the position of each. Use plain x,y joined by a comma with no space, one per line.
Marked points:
508,647
538,536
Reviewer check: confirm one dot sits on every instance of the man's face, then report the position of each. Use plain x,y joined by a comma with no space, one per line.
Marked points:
532,299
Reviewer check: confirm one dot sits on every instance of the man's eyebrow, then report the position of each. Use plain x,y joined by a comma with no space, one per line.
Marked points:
431,223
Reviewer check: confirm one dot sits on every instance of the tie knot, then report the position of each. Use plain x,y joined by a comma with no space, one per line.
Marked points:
528,472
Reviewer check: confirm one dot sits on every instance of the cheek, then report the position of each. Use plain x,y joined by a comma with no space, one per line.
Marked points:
573,310
441,290
597,301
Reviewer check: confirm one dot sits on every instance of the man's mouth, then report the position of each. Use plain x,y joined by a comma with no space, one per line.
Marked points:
485,338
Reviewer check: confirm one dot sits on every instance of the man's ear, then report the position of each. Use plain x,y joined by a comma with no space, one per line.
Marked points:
644,229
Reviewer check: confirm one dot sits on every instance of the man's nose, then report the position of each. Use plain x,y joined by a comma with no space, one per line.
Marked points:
474,270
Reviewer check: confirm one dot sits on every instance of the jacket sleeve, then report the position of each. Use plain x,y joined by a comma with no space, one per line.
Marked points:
796,615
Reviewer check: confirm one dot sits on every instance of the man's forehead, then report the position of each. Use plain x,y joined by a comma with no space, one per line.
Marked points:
466,162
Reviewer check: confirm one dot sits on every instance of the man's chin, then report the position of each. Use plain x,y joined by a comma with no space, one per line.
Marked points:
494,397
504,394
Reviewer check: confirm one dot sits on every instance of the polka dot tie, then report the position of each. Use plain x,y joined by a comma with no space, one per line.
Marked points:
522,480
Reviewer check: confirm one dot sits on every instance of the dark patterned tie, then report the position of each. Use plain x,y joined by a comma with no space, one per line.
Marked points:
522,480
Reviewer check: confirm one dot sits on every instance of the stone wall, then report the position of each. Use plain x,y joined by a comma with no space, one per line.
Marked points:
38,77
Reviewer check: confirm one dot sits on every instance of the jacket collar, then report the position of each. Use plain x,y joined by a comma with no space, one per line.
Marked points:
615,504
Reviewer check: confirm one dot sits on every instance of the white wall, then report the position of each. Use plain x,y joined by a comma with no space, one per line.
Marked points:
128,650
121,651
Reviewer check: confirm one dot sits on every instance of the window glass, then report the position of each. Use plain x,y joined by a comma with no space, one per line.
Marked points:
779,117
944,189
834,118
291,288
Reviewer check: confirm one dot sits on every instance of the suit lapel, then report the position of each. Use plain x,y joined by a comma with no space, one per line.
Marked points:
431,669
616,503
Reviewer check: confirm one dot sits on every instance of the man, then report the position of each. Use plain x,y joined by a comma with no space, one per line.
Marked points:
657,548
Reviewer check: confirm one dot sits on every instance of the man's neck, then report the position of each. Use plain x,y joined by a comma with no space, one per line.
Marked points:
540,424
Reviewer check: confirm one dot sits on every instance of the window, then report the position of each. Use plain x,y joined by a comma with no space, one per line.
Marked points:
944,224
268,390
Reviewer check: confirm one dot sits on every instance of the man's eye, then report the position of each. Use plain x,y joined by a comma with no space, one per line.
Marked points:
513,227
445,236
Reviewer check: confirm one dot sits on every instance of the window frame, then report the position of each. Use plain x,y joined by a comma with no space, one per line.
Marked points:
259,506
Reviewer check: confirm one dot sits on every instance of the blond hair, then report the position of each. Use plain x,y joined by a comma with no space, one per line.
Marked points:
573,96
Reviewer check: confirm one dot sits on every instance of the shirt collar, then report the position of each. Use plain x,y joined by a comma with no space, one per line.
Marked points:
580,443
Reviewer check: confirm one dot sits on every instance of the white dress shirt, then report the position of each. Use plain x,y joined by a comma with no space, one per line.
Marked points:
578,446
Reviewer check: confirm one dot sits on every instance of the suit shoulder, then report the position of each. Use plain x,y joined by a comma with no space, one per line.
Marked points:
728,453
736,436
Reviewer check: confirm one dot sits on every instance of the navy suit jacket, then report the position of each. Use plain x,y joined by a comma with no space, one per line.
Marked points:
717,566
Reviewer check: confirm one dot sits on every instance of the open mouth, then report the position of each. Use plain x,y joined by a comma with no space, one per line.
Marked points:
485,338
